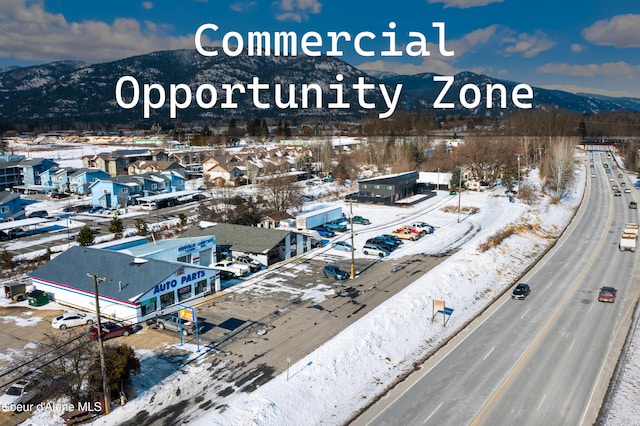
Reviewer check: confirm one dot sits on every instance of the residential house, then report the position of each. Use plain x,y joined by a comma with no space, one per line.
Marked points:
117,162
144,166
115,193
81,180
10,171
10,206
32,169
57,177
225,174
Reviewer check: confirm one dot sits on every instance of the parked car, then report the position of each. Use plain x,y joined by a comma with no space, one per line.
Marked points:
381,242
110,330
95,210
19,392
172,323
336,227
374,250
342,245
392,239
238,269
521,291
607,294
360,220
72,319
332,271
254,265
325,232
38,213
58,195
423,226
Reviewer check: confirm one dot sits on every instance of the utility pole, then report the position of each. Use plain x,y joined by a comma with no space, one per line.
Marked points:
353,261
459,189
103,364
518,155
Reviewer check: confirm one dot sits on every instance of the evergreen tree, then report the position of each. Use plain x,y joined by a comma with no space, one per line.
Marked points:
85,236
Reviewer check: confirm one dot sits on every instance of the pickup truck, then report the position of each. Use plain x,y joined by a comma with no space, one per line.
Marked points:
405,234
172,323
423,227
237,269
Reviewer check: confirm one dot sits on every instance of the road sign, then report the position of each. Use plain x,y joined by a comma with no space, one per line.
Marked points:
186,314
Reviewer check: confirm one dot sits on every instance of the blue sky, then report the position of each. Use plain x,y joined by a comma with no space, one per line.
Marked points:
591,46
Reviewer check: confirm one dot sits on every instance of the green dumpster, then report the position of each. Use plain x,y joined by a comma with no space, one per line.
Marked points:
37,298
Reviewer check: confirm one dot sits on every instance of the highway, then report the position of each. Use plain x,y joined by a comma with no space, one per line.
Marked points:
544,360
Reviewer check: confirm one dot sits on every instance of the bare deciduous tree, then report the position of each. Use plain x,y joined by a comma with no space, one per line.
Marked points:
559,164
281,193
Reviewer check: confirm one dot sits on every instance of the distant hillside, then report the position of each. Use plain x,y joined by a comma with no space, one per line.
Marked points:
69,92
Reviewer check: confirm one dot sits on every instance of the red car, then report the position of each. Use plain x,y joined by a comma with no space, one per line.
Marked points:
111,330
607,294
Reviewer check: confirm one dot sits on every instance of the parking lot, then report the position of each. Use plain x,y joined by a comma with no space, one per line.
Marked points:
254,326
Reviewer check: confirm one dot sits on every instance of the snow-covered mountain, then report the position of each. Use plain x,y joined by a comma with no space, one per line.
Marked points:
68,92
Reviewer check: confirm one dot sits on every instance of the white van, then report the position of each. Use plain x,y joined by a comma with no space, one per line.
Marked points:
374,250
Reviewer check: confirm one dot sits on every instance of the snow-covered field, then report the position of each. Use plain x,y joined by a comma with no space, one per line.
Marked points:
360,362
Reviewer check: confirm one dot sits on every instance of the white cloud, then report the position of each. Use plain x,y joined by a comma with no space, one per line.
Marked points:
619,31
577,48
438,67
528,45
607,69
147,5
29,33
243,6
437,63
472,40
464,4
297,10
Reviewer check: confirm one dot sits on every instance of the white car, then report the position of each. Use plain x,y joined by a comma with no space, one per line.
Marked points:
373,250
20,392
237,269
72,319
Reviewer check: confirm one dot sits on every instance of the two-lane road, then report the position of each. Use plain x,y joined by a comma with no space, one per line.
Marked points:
544,360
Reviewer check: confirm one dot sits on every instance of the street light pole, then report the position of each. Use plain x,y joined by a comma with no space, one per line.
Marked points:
459,189
103,364
353,261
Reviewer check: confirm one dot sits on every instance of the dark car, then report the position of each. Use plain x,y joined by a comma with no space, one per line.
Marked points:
633,205
332,271
111,330
382,242
360,220
38,213
607,294
336,227
58,195
618,193
392,239
521,291
324,232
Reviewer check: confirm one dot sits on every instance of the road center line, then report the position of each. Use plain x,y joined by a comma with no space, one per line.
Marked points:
488,353
432,413
541,401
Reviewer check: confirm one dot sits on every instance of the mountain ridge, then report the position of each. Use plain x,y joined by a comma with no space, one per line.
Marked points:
76,92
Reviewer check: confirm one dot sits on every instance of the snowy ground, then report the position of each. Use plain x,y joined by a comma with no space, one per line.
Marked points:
349,370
